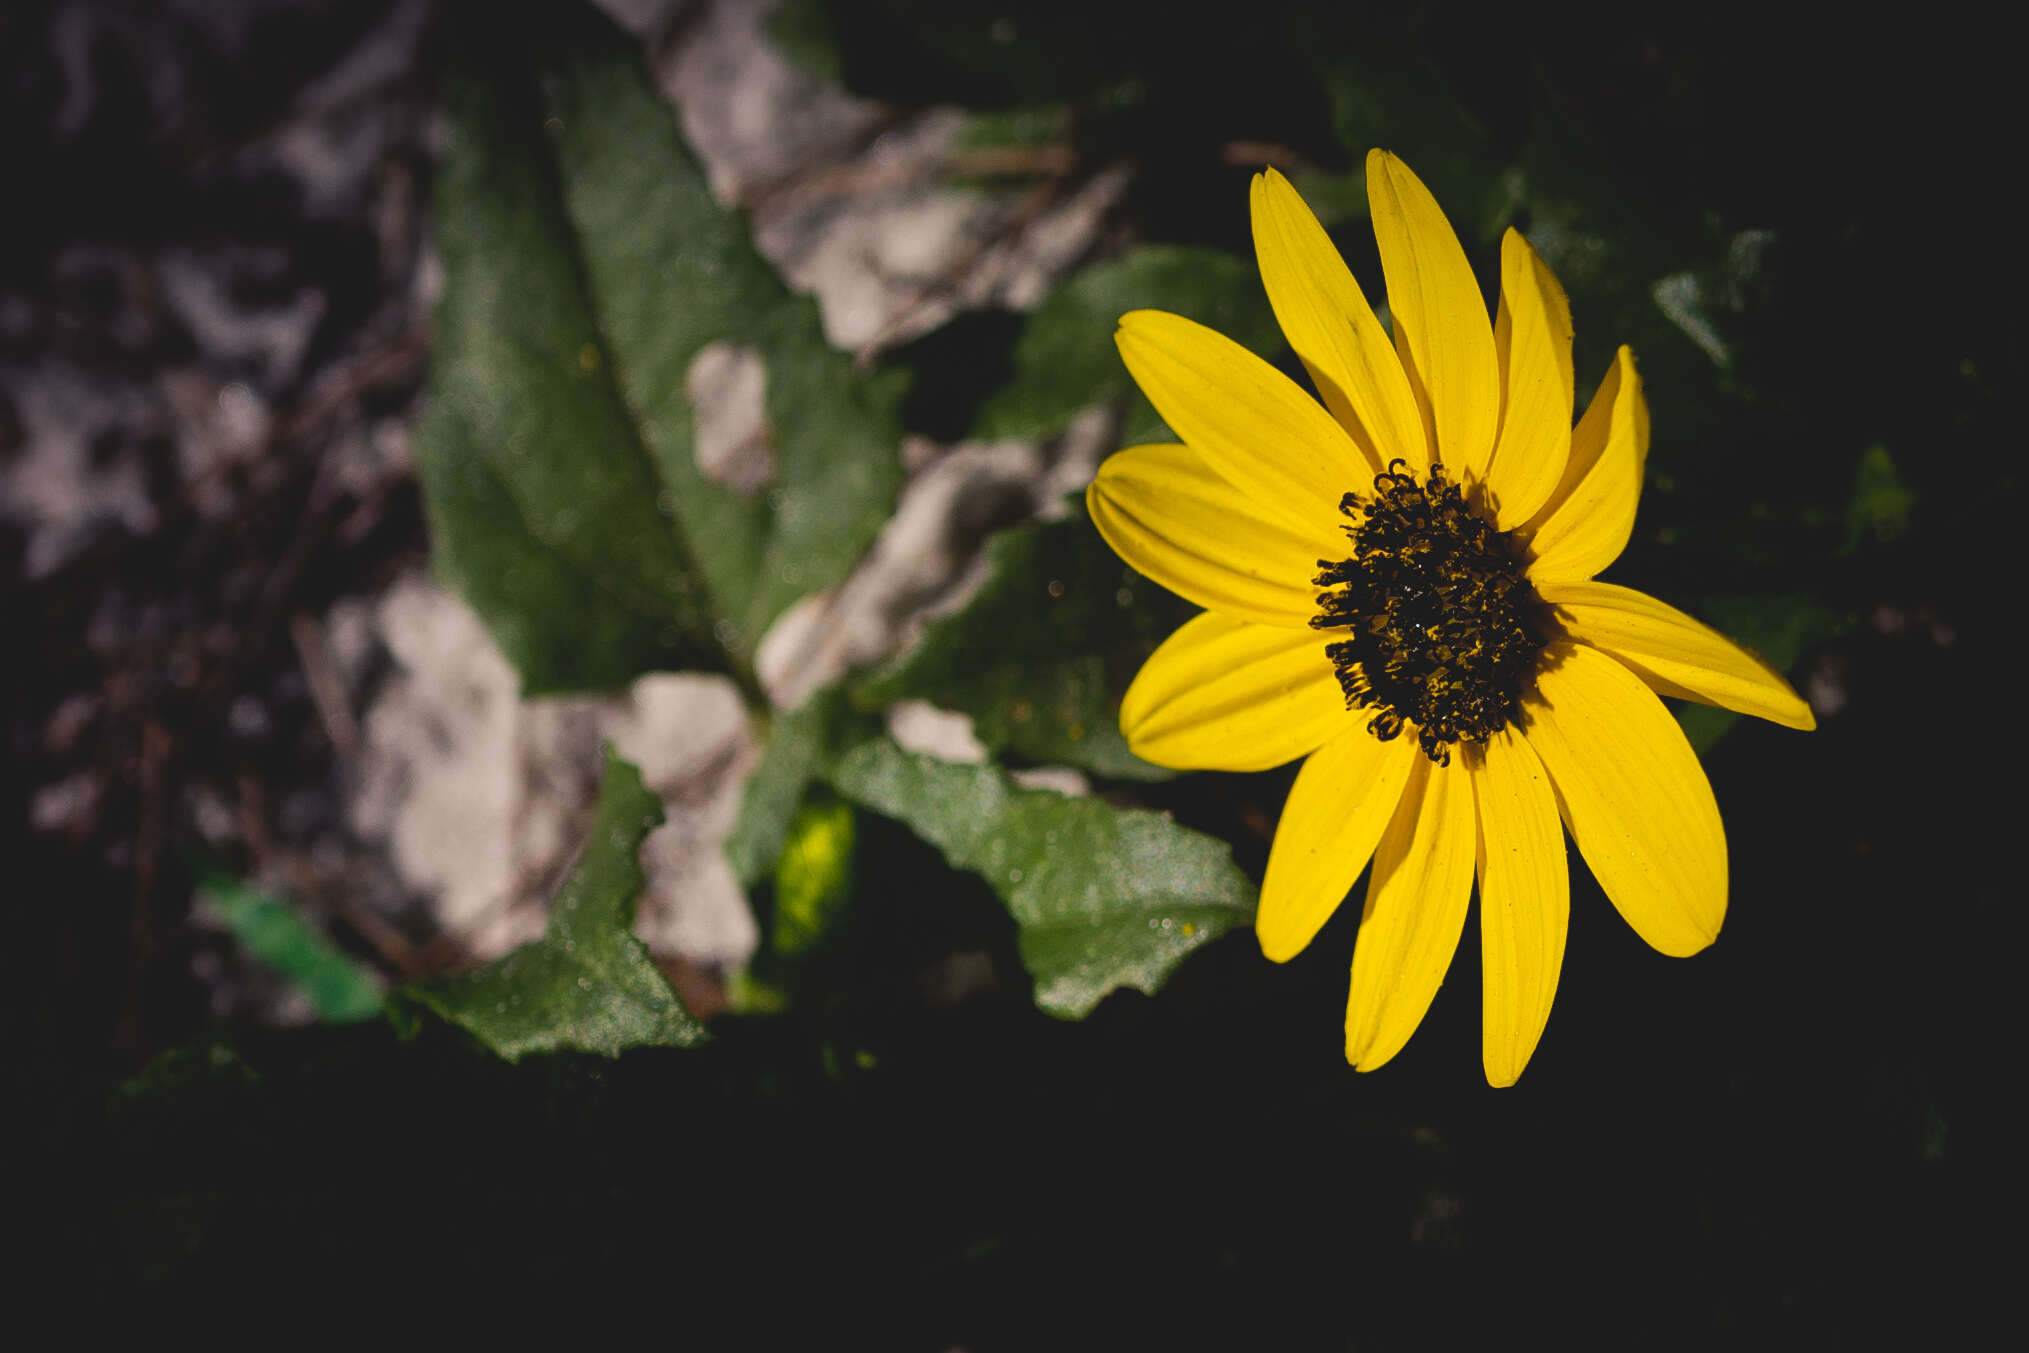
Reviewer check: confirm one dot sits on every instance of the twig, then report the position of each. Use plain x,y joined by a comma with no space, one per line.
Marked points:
820,164
327,692
1254,154
1013,161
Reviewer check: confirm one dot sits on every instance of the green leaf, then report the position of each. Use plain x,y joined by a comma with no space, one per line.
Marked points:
1065,359
269,928
586,267
813,877
1102,897
805,31
1336,198
203,1073
1026,128
587,984
1704,725
1882,502
798,743
190,1108
1381,90
1040,655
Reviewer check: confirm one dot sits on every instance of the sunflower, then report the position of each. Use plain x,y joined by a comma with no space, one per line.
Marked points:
1398,583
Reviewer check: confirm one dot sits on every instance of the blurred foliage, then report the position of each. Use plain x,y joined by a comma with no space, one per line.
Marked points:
1882,502
338,987
811,928
587,985
813,879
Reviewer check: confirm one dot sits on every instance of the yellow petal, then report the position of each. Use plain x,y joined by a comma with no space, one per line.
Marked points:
1418,462
1415,912
1586,523
1440,316
1524,900
1673,653
1221,694
1330,325
1633,795
1165,511
1341,802
1532,336
1250,422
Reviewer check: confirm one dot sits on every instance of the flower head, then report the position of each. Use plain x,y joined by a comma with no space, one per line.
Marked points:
1398,583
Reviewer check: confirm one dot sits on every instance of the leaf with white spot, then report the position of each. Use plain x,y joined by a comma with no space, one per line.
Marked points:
601,520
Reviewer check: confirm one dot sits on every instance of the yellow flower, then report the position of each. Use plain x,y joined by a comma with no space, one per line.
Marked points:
1398,584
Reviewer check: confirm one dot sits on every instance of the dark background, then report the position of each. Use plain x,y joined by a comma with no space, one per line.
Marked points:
1795,1139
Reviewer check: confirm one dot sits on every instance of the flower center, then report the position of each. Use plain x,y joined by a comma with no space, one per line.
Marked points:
1444,629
